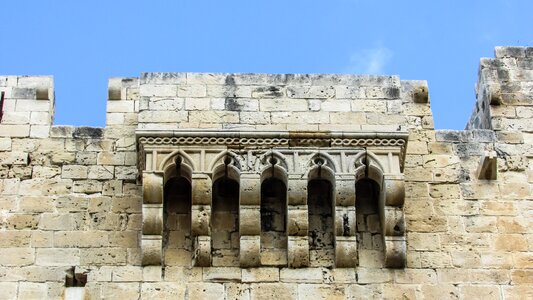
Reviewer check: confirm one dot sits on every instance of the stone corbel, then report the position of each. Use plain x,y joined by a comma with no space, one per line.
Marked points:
393,221
345,220
152,218
250,220
201,219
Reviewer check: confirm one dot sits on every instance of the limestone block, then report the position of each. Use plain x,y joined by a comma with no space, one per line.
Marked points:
14,158
110,158
127,273
120,106
249,251
201,216
394,221
152,188
174,104
260,275
297,192
154,90
9,290
316,291
395,251
101,172
345,252
214,116
32,290
314,92
126,173
250,190
102,256
152,219
394,192
200,291
11,117
7,130
32,105
354,118
202,251
163,116
192,91
15,238
221,274
302,275
178,257
298,220
197,103
57,257
345,192
151,246
274,291
152,273
298,251
250,220
5,144
120,290
163,290
17,256
45,172
22,221
201,189
345,221
283,105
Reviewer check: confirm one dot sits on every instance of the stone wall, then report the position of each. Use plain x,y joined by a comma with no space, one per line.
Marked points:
71,198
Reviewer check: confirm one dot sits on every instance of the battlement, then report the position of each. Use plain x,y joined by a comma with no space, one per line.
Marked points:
28,106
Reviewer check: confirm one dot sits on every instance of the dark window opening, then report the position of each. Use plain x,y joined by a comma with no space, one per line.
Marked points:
368,224
321,226
225,223
273,222
177,242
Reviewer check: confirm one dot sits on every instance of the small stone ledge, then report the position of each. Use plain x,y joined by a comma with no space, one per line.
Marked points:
163,78
513,51
76,132
465,136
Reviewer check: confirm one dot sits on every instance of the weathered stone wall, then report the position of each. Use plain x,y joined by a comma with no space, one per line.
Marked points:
71,197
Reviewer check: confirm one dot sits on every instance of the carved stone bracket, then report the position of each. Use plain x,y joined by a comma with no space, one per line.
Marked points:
340,157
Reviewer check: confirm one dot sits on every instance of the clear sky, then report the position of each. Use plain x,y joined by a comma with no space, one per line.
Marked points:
83,43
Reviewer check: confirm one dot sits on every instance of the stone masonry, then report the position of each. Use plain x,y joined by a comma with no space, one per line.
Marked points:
261,186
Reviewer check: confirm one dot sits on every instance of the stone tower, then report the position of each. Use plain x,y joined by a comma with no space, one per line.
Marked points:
260,186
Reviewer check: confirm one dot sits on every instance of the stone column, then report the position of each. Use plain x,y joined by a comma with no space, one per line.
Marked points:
250,220
298,224
345,239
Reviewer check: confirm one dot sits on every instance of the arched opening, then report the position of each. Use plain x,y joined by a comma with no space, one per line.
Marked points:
177,242
225,222
321,223
368,224
273,222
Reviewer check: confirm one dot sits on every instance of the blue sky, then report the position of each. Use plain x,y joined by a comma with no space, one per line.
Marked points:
83,43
